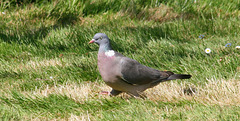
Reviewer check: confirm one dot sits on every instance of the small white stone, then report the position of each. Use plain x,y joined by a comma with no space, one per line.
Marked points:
51,77
110,53
3,13
237,47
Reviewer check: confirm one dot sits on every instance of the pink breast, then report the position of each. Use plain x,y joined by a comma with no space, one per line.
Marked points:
105,66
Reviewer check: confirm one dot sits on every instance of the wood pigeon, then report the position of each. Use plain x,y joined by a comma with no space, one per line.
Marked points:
123,74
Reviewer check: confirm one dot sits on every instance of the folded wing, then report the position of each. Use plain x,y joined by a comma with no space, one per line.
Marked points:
137,74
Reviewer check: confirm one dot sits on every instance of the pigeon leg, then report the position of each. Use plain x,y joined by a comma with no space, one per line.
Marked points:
115,92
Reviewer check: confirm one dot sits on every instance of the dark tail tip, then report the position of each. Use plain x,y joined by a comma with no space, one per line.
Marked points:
179,76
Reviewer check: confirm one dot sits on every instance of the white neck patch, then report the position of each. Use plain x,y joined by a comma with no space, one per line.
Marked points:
110,53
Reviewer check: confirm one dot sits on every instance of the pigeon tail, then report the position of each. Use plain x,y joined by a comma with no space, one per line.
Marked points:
179,76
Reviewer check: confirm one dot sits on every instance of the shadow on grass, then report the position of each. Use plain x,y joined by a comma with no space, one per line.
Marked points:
143,35
154,33
27,36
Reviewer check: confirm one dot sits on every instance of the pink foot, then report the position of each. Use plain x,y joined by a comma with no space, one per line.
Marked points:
105,93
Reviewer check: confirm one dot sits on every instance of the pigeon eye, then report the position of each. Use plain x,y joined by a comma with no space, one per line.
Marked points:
100,38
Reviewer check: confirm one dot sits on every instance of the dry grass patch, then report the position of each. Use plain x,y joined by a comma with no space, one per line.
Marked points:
162,13
72,117
85,117
219,92
35,65
83,92
44,63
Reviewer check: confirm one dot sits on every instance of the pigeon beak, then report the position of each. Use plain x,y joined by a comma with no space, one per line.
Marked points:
92,41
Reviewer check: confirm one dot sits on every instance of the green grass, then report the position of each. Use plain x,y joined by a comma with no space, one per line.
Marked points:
48,71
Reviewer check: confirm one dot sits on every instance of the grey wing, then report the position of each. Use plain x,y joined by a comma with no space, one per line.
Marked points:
135,73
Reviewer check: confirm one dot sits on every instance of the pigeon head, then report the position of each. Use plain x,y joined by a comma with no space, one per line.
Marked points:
100,39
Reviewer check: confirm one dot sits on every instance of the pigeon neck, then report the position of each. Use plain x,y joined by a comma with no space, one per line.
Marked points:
105,47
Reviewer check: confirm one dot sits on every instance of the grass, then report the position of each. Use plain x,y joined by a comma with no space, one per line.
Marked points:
49,72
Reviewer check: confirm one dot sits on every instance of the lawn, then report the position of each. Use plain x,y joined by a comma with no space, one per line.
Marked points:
49,72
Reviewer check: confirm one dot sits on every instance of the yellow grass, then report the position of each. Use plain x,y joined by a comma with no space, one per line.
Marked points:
36,64
39,64
83,92
72,117
219,92
162,13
